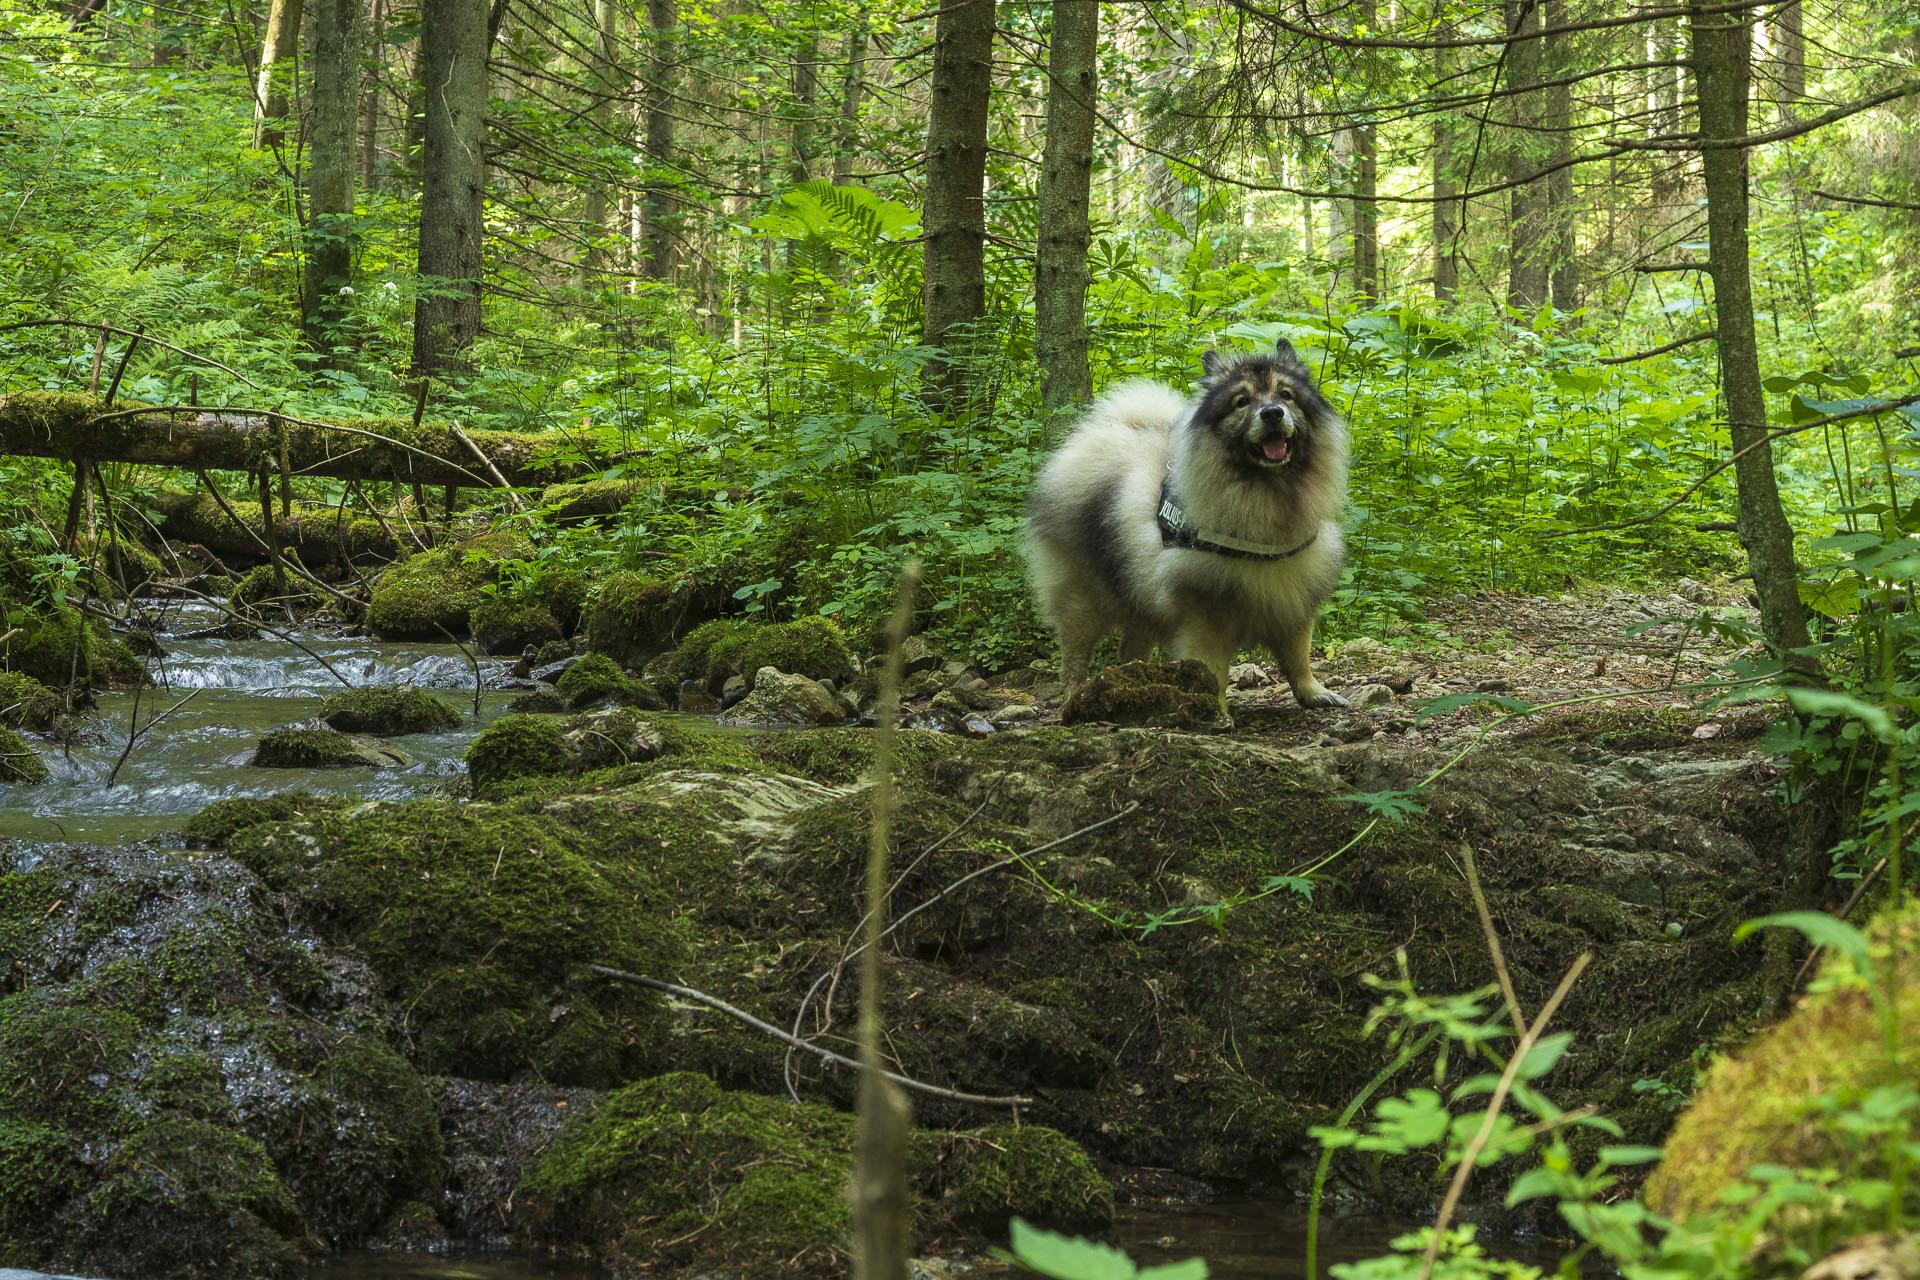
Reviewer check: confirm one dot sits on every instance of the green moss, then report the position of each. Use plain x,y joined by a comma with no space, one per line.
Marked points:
632,618
512,624
596,678
480,922
810,647
308,749
570,503
1764,1105
1180,695
263,590
694,654
220,821
366,1141
46,652
39,1172
515,747
25,703
432,590
756,1184
1036,1172
184,1197
388,710
219,584
18,761
63,1063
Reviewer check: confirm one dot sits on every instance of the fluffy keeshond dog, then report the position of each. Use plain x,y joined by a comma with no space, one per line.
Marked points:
1203,525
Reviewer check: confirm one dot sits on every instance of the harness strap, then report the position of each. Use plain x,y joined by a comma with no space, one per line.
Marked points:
1176,530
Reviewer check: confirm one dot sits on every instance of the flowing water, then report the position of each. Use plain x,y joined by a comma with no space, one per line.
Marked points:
241,690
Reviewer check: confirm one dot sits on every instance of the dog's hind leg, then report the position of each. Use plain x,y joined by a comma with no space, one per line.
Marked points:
1215,648
1294,651
1081,628
1136,644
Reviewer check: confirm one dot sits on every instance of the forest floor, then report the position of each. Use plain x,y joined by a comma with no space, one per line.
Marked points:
1627,653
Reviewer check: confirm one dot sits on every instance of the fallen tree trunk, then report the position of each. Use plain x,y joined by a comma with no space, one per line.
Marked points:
38,424
318,535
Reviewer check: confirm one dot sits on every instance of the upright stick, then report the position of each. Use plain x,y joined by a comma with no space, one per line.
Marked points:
880,1239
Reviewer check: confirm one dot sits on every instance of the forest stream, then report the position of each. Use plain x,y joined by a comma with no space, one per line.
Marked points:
377,1024
242,689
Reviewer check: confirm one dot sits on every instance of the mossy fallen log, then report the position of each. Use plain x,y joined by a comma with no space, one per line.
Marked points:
40,424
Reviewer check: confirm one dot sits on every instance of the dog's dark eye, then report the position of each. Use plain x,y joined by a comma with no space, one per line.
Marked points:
1286,393
1240,401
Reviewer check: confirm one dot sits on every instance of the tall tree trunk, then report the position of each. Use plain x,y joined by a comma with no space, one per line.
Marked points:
1527,267
1340,171
371,176
1790,48
657,212
1562,241
806,96
852,83
605,110
1722,58
954,219
276,71
453,64
1066,190
1446,209
336,98
1366,214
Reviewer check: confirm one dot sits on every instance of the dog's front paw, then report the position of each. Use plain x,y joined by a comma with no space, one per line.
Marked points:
1318,695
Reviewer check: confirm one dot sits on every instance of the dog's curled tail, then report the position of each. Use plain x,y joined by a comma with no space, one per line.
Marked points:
1142,404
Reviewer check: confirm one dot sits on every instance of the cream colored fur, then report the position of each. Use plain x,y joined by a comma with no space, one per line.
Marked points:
1199,604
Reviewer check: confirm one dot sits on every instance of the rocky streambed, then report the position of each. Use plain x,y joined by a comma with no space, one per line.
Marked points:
366,1018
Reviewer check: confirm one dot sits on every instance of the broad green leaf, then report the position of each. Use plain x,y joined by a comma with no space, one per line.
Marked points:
1819,928
1829,702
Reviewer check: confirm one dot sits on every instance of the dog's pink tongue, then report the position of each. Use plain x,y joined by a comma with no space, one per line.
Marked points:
1276,450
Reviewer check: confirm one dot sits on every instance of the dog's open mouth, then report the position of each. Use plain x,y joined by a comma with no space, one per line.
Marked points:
1272,452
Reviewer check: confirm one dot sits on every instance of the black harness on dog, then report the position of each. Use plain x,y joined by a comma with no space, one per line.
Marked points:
1178,531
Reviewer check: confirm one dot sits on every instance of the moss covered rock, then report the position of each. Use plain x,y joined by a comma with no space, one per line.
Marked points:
322,749
388,710
47,652
727,647
263,592
481,921
515,747
512,624
632,618
25,703
434,590
183,1197
987,1176
1174,695
596,678
172,1103
678,1172
520,747
19,762
219,822
1772,1102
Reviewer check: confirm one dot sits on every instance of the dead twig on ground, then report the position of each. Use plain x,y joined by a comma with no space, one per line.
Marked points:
701,997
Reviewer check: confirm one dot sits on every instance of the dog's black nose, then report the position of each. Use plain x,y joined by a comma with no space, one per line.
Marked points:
1274,415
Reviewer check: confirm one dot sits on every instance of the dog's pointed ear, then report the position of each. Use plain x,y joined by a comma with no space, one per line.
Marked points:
1212,363
1283,352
